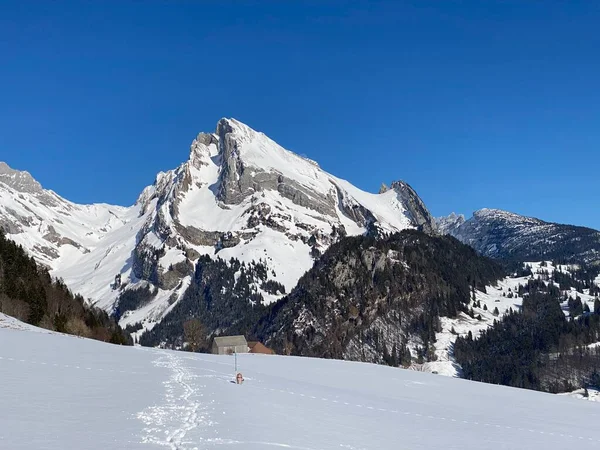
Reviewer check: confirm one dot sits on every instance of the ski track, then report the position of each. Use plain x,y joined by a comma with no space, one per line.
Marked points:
185,407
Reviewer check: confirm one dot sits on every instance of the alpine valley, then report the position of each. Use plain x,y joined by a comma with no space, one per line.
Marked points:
247,237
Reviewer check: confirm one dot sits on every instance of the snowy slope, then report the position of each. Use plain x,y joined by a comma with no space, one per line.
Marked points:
239,195
91,274
63,392
593,395
503,296
494,297
55,231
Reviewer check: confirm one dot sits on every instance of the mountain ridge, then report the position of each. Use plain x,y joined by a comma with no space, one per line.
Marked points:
505,235
238,195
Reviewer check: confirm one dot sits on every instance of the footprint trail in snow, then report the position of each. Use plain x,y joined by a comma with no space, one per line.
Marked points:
186,407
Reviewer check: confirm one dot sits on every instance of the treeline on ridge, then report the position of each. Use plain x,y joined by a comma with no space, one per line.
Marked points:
365,298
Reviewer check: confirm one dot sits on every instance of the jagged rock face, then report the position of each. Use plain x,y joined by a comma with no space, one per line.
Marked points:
358,213
505,235
445,225
145,263
234,184
415,208
18,180
55,238
239,195
238,179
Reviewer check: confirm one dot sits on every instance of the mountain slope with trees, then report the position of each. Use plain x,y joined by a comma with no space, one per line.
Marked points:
222,299
366,299
377,300
28,293
551,344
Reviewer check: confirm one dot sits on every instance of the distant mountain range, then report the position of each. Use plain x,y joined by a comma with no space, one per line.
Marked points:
504,235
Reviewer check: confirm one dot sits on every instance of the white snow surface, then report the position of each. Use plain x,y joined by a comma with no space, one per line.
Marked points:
62,392
593,395
91,274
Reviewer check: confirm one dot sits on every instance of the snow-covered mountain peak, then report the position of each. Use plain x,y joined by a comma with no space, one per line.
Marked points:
416,209
238,195
488,211
236,139
499,216
53,230
235,127
244,162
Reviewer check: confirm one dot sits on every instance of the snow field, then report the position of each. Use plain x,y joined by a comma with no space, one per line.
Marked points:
92,274
65,392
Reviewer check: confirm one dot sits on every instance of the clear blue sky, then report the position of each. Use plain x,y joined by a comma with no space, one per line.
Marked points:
475,104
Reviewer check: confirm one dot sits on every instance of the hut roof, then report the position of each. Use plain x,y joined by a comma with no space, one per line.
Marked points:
258,347
230,341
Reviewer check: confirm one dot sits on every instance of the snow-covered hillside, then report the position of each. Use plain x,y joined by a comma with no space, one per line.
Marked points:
494,297
503,296
239,195
63,392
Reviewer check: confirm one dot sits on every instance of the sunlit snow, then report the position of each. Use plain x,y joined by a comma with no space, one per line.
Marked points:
62,392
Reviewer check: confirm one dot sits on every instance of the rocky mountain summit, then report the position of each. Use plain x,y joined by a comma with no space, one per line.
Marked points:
239,196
